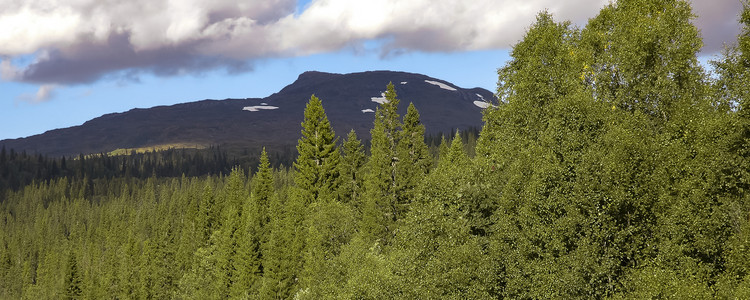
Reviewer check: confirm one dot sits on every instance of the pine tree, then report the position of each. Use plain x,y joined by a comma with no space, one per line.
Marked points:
353,159
73,282
442,148
282,251
205,278
413,160
263,188
318,161
380,210
250,234
208,215
238,248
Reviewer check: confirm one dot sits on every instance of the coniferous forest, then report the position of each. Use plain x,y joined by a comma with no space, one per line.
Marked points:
613,165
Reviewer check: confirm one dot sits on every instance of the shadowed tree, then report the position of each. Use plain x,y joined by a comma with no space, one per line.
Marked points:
73,281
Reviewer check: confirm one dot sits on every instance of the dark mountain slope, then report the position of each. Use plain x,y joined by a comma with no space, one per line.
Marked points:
272,121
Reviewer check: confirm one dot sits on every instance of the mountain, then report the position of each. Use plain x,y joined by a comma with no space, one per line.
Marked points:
274,121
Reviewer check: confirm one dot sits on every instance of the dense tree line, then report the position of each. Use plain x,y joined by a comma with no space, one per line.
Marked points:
613,166
20,169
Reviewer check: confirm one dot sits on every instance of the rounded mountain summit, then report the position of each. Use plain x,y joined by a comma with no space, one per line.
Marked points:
349,100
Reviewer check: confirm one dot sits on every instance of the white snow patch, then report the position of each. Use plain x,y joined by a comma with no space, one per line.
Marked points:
403,82
480,96
367,111
267,103
379,100
482,104
441,85
259,107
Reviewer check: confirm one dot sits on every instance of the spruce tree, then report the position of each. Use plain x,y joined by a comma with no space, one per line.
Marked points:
73,282
353,159
238,248
251,232
318,161
380,210
413,160
284,248
263,188
442,149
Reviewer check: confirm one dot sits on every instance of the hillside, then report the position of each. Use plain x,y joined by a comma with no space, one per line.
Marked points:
274,121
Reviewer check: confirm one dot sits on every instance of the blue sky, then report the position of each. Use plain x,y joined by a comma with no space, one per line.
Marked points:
63,64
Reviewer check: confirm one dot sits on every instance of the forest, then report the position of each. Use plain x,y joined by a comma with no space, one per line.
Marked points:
613,165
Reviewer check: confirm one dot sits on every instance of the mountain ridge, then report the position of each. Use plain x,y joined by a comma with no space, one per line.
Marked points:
273,121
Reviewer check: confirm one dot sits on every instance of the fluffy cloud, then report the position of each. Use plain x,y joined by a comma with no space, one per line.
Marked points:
44,93
85,40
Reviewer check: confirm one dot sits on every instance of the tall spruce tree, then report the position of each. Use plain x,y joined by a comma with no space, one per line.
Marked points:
353,158
318,161
283,250
262,188
380,210
253,232
413,160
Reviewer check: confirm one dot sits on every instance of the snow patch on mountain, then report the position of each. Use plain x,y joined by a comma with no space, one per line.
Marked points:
482,104
441,85
367,111
379,100
259,107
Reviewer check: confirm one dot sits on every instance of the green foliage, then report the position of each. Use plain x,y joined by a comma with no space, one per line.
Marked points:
282,251
645,56
435,256
330,226
352,181
318,161
413,160
263,190
612,167
380,210
73,281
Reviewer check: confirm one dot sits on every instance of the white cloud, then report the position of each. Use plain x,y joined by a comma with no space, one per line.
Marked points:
28,30
111,37
8,71
44,93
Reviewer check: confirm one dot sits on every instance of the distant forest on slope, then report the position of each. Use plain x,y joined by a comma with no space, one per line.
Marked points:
612,166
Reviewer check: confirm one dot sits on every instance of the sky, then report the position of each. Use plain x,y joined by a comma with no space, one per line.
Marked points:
63,62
